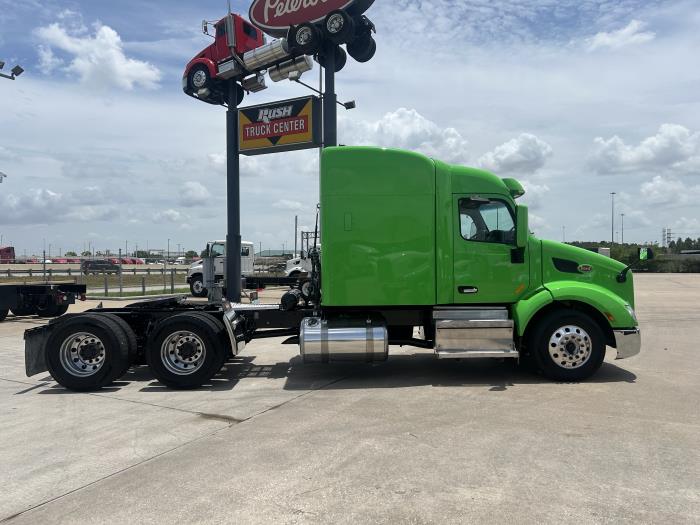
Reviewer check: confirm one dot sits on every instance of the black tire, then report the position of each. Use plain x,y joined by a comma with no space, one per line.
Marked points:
22,311
199,78
338,27
51,310
577,345
197,288
3,314
362,49
304,39
128,333
191,335
341,59
111,339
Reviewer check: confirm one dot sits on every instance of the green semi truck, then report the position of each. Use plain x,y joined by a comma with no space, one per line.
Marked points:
416,252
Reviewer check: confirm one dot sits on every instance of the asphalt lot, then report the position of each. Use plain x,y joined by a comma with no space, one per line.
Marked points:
411,440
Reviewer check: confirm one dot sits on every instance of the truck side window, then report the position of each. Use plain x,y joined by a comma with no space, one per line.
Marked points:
487,221
250,30
221,30
217,250
245,251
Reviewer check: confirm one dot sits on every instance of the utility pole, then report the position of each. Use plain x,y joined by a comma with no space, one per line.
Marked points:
612,217
233,198
622,228
296,233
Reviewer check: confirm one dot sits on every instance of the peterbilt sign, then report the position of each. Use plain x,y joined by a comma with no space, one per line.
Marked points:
275,17
280,126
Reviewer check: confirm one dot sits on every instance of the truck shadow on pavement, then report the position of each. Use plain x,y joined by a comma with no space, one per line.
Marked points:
403,371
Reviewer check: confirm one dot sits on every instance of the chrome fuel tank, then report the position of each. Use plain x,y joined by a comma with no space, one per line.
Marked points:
327,341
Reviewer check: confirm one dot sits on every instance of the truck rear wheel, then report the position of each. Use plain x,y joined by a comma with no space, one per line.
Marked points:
197,288
567,345
87,352
186,350
51,310
22,311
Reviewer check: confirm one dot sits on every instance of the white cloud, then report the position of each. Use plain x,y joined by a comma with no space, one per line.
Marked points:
168,215
285,204
632,33
673,147
524,154
47,60
665,191
406,128
45,206
534,194
98,59
194,194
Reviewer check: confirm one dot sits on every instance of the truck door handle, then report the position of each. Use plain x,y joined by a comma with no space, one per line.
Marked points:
467,289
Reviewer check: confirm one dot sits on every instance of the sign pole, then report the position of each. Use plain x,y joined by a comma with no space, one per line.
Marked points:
233,198
330,99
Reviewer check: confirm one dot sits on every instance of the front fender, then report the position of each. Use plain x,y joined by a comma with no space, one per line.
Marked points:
210,65
525,309
612,306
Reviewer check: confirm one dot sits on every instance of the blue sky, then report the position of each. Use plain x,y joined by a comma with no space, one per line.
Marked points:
575,98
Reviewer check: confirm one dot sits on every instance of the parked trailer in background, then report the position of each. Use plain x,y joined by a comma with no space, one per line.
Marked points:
42,299
450,254
7,254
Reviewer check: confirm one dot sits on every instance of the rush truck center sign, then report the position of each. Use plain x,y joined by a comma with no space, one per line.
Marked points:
280,126
275,17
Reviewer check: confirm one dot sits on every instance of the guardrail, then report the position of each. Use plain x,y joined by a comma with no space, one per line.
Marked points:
50,272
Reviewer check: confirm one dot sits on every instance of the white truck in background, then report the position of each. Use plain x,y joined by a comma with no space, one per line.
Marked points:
217,250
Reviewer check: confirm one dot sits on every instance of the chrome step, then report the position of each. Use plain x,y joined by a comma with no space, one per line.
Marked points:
477,354
470,313
463,333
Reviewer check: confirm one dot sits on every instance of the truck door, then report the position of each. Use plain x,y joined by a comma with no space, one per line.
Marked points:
218,252
488,267
222,50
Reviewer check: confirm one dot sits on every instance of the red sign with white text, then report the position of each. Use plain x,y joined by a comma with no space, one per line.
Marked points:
276,16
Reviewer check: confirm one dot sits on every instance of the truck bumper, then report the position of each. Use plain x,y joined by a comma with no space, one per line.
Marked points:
34,350
628,342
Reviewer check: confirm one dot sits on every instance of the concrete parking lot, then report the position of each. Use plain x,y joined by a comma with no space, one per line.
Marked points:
411,440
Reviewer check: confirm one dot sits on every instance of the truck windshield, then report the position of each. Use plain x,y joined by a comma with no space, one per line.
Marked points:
217,250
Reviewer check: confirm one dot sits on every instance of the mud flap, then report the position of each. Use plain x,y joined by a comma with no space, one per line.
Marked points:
34,350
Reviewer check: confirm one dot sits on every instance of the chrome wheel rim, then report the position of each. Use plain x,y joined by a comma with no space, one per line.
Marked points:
335,24
183,353
197,287
82,354
199,79
570,347
304,36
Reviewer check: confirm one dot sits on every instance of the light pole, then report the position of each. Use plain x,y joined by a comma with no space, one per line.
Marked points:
612,217
2,176
622,227
14,72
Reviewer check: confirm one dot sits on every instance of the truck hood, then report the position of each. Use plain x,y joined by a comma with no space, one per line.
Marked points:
563,262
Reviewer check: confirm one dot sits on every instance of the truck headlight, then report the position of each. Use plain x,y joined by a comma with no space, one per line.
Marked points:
630,310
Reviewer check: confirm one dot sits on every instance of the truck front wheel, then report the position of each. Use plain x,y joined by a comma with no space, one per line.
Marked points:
567,345
87,352
186,350
199,78
197,286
